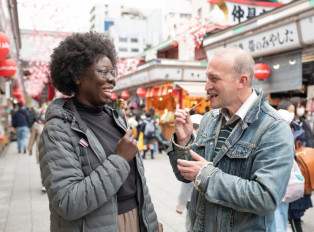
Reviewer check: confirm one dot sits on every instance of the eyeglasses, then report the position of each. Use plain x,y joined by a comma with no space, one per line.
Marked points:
106,74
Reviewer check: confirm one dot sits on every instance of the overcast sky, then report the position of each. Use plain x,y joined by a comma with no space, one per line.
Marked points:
73,15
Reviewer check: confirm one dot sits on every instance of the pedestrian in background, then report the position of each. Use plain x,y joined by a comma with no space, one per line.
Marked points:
302,131
20,122
241,151
36,131
148,128
286,111
89,161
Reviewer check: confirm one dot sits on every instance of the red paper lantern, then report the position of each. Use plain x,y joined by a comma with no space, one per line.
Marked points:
7,68
261,71
4,46
114,96
125,95
141,92
17,92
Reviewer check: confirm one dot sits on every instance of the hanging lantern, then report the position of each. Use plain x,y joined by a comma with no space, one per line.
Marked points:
141,92
125,95
17,92
4,46
7,68
114,96
261,71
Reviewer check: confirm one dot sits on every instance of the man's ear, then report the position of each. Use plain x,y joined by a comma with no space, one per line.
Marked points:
244,79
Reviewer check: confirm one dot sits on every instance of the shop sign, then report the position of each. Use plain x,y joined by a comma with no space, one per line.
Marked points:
190,74
241,10
307,34
276,40
139,78
239,13
165,73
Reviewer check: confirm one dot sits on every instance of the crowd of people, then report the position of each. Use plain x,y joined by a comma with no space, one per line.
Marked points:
234,162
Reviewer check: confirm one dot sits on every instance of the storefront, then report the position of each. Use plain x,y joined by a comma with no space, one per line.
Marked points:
169,84
282,39
9,68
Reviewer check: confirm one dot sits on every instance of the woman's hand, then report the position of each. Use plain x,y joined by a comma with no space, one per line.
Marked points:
127,146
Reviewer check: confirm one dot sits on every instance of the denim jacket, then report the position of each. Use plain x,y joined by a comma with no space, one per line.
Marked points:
240,188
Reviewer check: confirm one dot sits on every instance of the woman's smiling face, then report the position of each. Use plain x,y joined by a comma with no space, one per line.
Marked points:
94,87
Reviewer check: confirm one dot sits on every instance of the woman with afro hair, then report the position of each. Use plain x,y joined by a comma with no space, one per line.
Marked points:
89,161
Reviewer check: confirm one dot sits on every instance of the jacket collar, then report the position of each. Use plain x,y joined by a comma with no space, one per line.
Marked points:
253,112
65,109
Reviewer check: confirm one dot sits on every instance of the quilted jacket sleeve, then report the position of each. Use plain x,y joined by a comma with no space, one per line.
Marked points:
70,193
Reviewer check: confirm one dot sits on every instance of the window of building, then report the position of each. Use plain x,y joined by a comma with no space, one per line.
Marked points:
108,24
134,40
134,50
121,49
123,39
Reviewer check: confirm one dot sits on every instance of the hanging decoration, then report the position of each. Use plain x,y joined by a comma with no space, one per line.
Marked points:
114,96
4,46
141,92
8,68
17,92
192,33
261,71
127,65
37,80
125,95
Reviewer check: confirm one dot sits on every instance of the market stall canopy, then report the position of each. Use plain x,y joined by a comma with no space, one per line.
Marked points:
158,91
194,89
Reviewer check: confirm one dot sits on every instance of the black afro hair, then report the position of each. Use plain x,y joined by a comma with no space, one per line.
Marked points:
75,54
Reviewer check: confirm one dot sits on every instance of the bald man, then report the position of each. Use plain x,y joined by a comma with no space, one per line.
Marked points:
241,158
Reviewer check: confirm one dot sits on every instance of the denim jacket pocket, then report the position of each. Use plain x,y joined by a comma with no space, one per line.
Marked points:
240,150
238,160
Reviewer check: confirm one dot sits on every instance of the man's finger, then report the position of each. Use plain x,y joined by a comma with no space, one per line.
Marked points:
183,169
184,163
196,156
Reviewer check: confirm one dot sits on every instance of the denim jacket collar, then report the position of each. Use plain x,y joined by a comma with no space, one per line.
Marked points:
252,114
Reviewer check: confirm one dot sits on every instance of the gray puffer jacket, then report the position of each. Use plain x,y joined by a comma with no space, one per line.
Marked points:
82,182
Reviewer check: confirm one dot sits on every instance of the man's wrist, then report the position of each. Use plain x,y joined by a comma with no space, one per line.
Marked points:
183,142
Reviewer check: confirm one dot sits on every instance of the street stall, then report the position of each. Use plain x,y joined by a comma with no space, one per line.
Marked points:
165,99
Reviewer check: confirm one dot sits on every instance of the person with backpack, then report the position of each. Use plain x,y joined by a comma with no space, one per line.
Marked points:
149,131
20,122
302,131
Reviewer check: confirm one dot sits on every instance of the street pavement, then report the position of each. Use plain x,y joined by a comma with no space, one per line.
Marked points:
24,208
